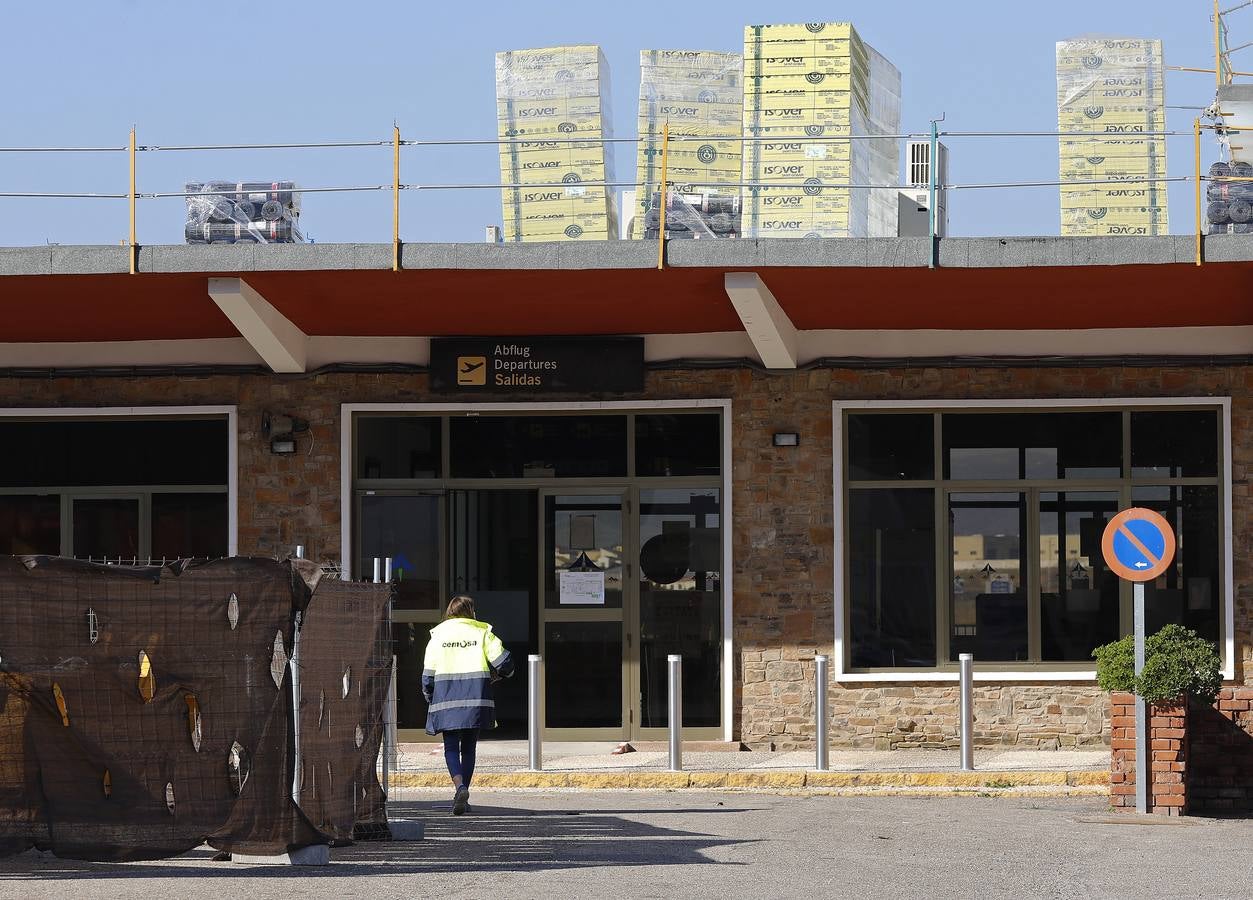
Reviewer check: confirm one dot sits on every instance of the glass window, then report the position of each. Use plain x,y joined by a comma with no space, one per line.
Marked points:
1174,444
1079,607
405,527
538,446
891,447
106,527
189,525
680,603
398,447
584,533
114,452
892,577
30,525
678,444
988,590
1012,446
1188,592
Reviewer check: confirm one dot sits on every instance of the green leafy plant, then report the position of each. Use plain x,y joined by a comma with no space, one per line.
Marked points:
1178,663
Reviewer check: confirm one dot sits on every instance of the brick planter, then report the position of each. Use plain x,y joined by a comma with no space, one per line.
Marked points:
1220,748
1168,745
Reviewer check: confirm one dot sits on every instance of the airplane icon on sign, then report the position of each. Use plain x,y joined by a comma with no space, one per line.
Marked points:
472,370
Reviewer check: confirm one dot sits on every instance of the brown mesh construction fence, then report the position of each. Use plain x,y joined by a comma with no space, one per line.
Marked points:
146,710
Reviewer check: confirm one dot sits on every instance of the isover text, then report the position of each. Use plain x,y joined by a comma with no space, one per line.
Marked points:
512,366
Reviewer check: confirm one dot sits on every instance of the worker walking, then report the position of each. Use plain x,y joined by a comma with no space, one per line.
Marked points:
462,660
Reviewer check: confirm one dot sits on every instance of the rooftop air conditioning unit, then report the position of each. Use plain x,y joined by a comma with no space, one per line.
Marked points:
915,202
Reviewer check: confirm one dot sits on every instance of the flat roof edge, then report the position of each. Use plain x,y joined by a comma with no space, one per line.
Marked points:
878,253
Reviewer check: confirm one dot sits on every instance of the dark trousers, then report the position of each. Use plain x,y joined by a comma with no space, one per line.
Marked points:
459,746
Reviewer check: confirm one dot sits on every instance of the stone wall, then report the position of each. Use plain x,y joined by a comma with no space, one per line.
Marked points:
782,520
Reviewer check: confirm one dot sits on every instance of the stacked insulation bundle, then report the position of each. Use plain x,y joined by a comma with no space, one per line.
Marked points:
699,94
1230,209
552,111
817,81
1113,86
242,212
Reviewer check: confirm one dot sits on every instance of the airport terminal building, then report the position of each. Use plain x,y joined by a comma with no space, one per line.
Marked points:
762,452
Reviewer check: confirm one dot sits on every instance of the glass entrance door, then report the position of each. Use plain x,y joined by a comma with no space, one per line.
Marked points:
585,634
107,527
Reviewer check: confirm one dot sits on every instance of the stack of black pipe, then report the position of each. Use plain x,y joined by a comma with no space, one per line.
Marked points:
694,216
1230,208
229,212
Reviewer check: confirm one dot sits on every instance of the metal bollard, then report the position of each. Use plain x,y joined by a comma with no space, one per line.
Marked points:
966,662
534,745
378,570
821,760
387,569
674,664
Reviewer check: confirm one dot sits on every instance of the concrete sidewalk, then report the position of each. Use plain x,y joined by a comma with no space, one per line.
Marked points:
587,765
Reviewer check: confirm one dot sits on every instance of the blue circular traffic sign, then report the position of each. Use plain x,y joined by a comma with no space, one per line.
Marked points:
1138,544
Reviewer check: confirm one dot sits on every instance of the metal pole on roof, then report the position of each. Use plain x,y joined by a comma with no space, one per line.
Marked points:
661,233
933,170
133,252
1196,150
1218,45
395,198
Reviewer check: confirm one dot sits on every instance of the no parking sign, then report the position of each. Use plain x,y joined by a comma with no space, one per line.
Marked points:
1139,545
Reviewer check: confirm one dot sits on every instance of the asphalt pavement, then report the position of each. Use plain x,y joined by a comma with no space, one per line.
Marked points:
522,844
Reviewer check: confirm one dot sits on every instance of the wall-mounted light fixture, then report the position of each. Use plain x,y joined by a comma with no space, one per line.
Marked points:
281,432
786,439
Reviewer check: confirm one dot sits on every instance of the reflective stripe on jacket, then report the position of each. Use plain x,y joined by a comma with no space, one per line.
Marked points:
456,679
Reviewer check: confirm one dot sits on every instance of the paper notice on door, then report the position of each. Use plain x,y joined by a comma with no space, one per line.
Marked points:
581,588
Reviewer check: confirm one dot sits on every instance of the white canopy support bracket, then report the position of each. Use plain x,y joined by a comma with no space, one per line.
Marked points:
278,341
772,332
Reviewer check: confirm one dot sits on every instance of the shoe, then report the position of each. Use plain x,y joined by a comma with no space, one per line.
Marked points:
459,801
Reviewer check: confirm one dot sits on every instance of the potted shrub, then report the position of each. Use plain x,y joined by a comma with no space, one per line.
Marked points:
1179,665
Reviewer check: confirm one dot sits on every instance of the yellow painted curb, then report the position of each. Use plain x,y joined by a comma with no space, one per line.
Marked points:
1089,778
768,780
657,780
708,780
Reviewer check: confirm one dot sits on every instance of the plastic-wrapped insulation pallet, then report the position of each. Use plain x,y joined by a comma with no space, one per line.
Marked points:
699,93
803,85
697,216
553,118
146,710
1230,207
234,212
1114,86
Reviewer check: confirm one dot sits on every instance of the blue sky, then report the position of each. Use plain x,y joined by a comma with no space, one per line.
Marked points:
81,72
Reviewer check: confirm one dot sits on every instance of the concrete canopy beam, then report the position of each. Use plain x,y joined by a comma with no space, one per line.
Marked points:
279,342
772,332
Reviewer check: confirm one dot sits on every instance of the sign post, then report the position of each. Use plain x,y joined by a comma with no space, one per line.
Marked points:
1139,545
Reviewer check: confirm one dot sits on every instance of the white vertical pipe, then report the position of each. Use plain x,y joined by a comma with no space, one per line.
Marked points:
378,570
821,683
966,662
534,746
674,664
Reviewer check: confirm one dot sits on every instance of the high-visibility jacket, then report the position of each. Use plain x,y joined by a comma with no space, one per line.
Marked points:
456,679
